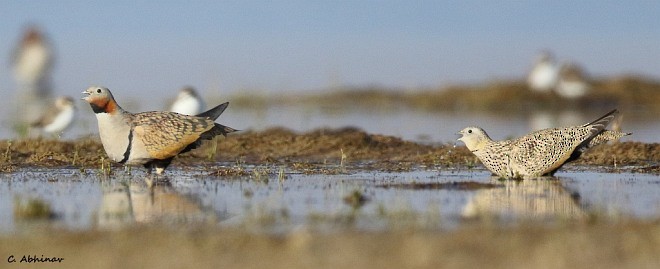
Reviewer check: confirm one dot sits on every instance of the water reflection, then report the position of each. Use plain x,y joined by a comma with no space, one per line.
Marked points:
540,199
133,202
87,201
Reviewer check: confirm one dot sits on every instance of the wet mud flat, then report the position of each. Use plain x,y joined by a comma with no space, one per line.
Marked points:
305,152
339,197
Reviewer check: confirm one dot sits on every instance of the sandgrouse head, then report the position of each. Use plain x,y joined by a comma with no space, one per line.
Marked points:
473,137
100,99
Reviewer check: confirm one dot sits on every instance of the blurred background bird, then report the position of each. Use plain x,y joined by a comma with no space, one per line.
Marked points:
544,73
57,117
32,62
187,102
573,82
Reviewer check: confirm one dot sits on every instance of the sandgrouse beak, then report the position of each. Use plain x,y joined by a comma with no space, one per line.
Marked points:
460,134
87,93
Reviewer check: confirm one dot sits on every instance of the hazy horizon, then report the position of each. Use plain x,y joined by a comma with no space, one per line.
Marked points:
154,48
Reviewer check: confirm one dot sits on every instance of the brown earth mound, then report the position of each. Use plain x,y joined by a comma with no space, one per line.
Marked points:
281,146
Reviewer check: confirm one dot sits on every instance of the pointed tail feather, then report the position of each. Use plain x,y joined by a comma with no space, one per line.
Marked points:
218,129
602,122
215,112
224,130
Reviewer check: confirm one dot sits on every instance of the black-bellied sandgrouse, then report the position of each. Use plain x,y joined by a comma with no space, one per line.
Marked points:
151,139
58,116
187,102
539,153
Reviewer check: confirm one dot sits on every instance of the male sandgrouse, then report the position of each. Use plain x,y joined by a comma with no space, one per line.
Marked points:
58,116
187,102
151,139
539,153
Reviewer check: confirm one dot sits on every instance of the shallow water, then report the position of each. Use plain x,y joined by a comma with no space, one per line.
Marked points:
87,200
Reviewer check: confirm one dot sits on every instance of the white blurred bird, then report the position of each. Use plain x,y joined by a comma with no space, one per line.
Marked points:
544,74
32,62
187,102
58,117
573,82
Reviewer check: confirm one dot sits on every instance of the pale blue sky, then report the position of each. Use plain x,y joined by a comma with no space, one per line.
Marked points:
155,47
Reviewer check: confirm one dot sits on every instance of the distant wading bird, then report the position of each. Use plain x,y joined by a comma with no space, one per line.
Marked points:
573,82
154,138
539,153
57,118
543,76
187,102
32,62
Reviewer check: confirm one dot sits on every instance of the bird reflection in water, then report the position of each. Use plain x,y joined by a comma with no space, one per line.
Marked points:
137,203
536,199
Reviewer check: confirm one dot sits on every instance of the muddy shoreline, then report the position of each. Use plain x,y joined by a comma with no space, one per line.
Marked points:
308,151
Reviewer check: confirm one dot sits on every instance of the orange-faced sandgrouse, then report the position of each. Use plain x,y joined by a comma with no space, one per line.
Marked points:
151,139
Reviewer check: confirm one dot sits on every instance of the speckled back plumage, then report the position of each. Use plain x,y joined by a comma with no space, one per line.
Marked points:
165,134
544,151
541,152
495,157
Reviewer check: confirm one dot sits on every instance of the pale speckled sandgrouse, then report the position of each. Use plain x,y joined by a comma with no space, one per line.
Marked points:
58,116
538,153
151,139
187,102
